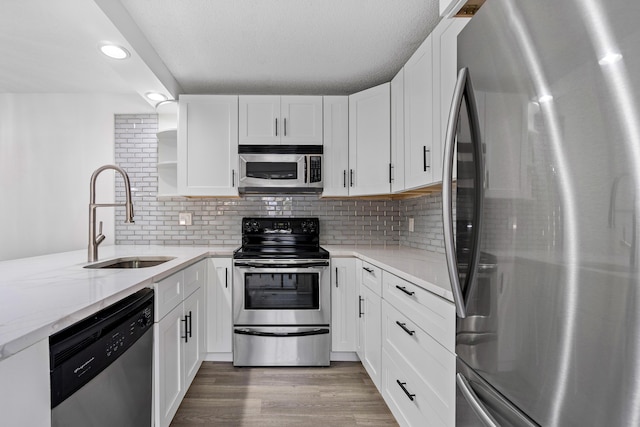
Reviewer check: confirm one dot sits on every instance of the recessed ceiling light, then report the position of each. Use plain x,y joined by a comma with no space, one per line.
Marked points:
155,96
114,51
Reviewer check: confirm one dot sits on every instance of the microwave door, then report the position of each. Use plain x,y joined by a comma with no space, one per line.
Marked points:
265,170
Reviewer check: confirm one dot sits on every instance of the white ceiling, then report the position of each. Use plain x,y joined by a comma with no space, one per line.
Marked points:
209,46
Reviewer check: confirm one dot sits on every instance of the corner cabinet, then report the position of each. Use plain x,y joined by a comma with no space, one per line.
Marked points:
343,305
179,338
276,120
370,141
208,145
336,146
219,316
369,321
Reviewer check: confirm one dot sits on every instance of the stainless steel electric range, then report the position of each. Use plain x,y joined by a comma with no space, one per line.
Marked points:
281,294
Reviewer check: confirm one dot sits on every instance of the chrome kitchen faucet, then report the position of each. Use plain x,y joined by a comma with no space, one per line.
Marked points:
94,240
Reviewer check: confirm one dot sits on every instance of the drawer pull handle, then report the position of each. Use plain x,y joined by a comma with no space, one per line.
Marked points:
403,289
360,312
367,269
404,327
409,395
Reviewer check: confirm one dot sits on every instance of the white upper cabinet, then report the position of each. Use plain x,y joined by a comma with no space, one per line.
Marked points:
445,49
272,120
369,141
208,145
397,132
420,153
336,146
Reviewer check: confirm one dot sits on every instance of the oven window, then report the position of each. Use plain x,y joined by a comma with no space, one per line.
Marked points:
278,291
272,170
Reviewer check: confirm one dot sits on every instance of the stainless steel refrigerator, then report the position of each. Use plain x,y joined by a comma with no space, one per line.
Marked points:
541,219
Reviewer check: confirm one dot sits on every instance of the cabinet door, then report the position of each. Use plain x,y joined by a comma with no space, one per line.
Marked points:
208,145
372,329
370,141
259,119
301,120
343,304
194,341
219,317
418,117
397,132
169,381
445,49
336,146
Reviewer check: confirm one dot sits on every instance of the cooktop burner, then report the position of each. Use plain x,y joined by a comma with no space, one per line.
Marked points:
273,238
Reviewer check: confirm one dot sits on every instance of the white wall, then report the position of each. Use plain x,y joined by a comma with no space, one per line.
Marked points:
49,146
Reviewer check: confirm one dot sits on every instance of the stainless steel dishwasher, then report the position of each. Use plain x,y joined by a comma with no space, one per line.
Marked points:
101,367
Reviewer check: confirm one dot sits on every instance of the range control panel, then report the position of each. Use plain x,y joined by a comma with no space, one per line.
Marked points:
253,226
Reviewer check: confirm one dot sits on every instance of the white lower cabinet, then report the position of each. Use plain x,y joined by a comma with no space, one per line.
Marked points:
343,305
405,340
418,374
369,320
219,316
179,341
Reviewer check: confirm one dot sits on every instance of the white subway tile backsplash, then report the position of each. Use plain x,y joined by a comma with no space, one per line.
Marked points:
216,221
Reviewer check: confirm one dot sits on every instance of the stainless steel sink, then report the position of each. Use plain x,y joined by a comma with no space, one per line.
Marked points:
132,262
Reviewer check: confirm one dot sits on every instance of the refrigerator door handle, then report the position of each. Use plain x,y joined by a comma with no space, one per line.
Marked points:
471,397
463,90
447,192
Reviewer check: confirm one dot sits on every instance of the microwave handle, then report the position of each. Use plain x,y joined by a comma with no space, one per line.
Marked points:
305,170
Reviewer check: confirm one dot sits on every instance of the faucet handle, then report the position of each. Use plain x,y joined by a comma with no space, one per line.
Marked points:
100,237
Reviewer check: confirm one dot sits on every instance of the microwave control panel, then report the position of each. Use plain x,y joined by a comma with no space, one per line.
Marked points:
315,164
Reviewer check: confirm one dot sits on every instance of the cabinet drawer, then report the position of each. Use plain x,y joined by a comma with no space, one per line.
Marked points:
168,294
194,277
433,314
429,362
372,277
419,405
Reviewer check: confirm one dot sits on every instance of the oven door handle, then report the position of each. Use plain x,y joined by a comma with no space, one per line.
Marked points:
245,331
283,265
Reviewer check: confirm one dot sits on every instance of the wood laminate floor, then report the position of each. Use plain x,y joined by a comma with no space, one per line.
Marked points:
340,395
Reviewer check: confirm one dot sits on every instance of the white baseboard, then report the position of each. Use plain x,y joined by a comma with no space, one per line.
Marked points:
218,357
344,356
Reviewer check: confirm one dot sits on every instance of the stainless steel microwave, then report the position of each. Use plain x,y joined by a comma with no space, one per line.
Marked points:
280,168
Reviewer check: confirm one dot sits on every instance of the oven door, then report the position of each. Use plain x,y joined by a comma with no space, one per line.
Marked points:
281,292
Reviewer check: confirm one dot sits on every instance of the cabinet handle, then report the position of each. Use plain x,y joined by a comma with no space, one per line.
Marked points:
276,126
403,289
226,277
424,157
409,395
233,177
367,269
285,126
186,329
305,169
344,178
336,277
190,325
404,327
350,177
360,312
390,173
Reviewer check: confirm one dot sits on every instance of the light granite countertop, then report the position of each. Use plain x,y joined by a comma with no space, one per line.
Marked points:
42,295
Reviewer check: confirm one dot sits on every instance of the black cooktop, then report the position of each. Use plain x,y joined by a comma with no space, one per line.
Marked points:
281,238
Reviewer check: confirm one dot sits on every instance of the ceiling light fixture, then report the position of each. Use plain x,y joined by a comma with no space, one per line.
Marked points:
114,51
155,96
